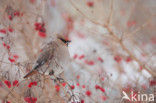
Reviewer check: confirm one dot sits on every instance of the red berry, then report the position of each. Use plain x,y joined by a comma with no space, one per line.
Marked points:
128,59
10,17
77,84
82,101
117,58
82,56
16,13
10,29
15,83
100,88
11,60
72,87
131,23
57,87
89,62
8,83
97,86
152,83
100,59
83,86
35,83
15,56
3,31
42,34
32,1
90,3
8,102
30,99
88,93
103,98
64,84
141,67
78,76
75,56
32,83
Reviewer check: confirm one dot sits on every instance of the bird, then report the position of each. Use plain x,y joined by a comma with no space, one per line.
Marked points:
52,56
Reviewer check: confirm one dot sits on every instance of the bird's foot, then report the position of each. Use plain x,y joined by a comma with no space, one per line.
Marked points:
61,80
57,79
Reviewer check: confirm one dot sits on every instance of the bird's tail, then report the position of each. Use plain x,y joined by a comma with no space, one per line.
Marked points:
30,73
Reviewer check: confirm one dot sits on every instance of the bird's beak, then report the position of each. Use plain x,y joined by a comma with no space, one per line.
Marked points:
67,42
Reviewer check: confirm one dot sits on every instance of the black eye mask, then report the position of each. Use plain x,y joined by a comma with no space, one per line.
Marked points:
65,41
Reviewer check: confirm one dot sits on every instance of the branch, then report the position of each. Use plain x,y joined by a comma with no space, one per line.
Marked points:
118,39
111,13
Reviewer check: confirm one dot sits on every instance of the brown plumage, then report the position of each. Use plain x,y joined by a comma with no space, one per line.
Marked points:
30,73
48,60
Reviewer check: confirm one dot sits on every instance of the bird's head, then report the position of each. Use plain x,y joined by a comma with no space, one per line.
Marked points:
63,39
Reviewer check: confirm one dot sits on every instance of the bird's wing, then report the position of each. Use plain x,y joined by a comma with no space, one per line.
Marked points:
45,55
41,60
30,73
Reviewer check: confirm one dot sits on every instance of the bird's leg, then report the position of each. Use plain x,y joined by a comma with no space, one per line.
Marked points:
51,73
55,78
61,80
